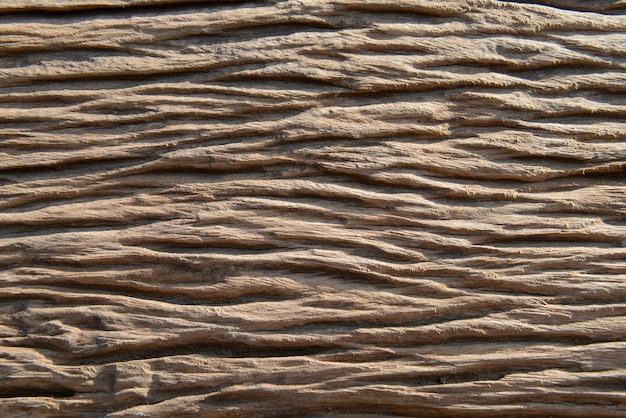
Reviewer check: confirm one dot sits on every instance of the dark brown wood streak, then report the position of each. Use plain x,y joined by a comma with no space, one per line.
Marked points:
312,208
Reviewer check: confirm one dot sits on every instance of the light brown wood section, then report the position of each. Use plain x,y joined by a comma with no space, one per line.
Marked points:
314,208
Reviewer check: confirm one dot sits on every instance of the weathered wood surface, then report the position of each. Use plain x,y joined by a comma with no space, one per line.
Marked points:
312,208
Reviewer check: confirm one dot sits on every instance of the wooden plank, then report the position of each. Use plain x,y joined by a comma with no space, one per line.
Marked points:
312,208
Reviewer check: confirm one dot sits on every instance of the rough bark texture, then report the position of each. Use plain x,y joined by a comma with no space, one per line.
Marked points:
312,208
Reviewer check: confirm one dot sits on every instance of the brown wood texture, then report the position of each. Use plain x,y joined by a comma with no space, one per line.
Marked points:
312,208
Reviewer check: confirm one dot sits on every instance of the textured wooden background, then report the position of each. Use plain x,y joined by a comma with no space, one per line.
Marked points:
312,208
